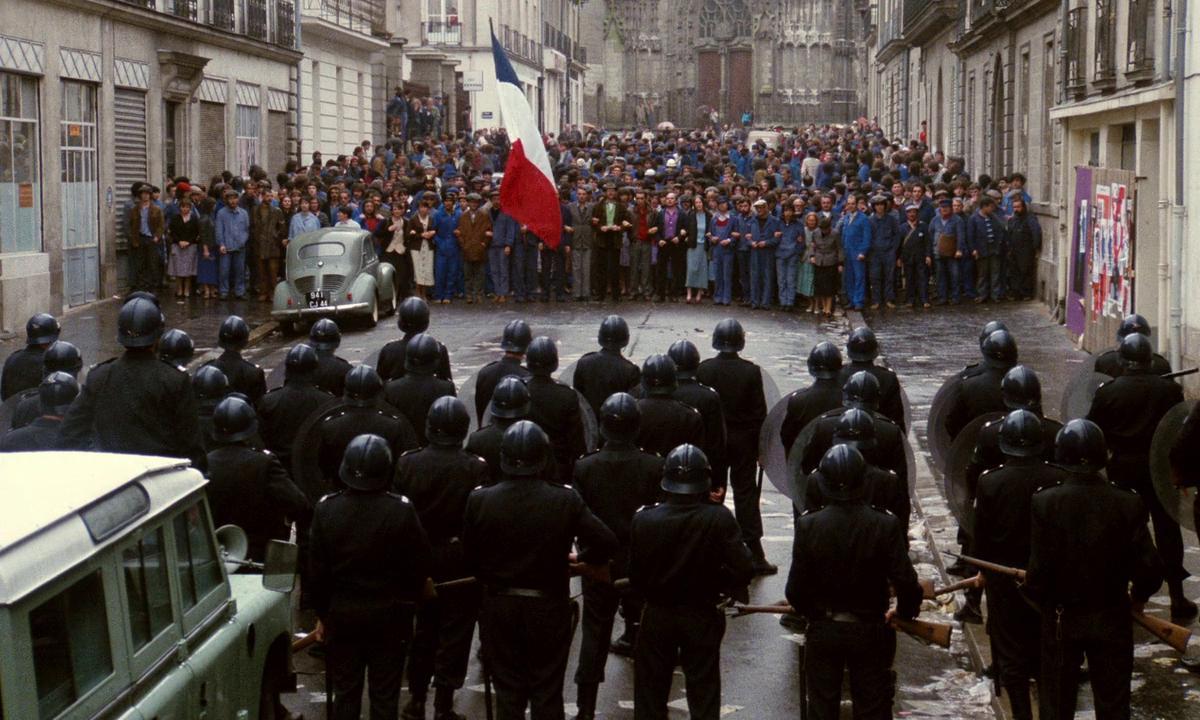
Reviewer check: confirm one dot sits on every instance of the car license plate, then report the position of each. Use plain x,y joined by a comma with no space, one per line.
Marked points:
318,299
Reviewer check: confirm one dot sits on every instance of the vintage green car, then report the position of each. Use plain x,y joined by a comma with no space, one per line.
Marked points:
115,602
334,272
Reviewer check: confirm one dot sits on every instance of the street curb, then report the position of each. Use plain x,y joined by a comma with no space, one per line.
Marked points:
256,336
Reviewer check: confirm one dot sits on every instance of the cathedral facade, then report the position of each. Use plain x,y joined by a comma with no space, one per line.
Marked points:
787,61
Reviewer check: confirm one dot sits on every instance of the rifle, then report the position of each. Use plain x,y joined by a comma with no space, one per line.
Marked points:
1180,373
967,584
923,630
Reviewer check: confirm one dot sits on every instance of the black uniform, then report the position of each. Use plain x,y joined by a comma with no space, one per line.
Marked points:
667,424
1109,363
882,489
979,395
29,407
489,377
437,480
1185,458
517,535
601,373
887,454
282,412
707,402
1088,542
370,559
891,403
135,404
390,364
987,455
244,376
485,442
805,406
843,559
684,554
348,422
252,489
22,370
331,372
413,394
41,434
555,408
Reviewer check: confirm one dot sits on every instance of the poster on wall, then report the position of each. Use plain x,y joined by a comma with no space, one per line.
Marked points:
1112,272
1100,281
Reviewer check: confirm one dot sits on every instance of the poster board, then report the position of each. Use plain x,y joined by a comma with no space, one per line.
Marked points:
1100,280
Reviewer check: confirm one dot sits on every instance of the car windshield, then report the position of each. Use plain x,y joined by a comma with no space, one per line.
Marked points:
323,249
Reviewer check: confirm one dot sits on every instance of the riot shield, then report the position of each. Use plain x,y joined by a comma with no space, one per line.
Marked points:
796,484
306,448
276,375
770,390
467,395
1081,388
591,427
959,494
9,408
771,454
1177,504
907,409
943,404
566,376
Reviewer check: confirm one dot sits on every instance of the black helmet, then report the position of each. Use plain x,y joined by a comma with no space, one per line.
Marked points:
841,472
1131,324
447,422
686,356
422,354
510,399
862,345
41,329
614,333
824,361
990,328
658,376
686,471
516,338
620,418
524,449
861,390
856,428
62,356
1021,389
1080,447
234,333
728,336
999,350
301,360
542,356
143,294
139,324
1136,352
209,383
176,347
367,463
1021,434
413,316
362,386
56,393
234,420
325,335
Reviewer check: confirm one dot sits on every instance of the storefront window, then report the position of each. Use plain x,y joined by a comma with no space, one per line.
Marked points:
248,122
20,176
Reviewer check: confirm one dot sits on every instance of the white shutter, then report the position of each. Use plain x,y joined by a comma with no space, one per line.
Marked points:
129,149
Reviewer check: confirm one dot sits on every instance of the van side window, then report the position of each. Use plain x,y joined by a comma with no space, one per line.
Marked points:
196,556
71,649
144,568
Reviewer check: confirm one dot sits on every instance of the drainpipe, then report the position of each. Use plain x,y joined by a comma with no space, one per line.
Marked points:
1179,211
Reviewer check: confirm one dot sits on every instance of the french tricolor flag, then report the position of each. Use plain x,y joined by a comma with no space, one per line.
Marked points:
527,192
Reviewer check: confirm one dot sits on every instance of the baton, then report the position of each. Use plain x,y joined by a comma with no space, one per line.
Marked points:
1180,373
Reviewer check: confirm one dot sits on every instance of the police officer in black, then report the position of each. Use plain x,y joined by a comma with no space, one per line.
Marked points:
825,394
555,407
1109,361
370,564
62,357
989,327
862,348
413,319
980,390
282,411
601,373
844,558
860,391
414,392
1090,560
705,400
513,342
666,423
684,555
881,488
244,377
248,487
739,383
1128,410
614,482
510,403
23,368
325,336
437,480
55,395
1002,512
210,387
176,348
517,536
136,403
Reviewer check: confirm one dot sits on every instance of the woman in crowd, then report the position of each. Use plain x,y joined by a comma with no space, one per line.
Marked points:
697,224
206,265
184,235
420,244
824,253
390,236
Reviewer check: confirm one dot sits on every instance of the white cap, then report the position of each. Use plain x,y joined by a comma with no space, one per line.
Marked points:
759,201
672,162
650,173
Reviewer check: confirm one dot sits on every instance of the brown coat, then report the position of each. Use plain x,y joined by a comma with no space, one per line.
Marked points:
609,239
268,228
134,223
475,235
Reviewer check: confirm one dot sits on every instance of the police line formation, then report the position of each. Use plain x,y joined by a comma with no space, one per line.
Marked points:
412,529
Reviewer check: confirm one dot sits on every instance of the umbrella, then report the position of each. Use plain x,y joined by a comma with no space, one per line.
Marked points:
666,126
588,127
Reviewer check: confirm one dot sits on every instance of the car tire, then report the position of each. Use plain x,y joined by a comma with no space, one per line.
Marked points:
373,318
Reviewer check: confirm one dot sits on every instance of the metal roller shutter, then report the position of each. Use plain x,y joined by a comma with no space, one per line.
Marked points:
212,140
129,151
277,143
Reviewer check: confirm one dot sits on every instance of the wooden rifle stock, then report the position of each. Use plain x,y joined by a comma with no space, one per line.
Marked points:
968,584
1015,573
1170,633
929,632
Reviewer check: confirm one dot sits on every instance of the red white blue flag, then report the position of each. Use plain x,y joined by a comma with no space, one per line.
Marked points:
527,191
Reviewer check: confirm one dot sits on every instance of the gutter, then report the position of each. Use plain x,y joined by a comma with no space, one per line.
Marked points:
1179,212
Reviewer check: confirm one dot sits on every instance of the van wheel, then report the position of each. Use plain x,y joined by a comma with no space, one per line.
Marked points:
268,697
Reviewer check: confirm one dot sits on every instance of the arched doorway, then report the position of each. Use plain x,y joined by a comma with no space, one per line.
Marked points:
999,128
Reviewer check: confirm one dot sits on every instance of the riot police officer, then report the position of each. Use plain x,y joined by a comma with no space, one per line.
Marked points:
325,336
989,327
614,482
604,372
1090,559
364,588
705,400
861,391
980,389
413,319
513,342
517,536
1109,361
510,403
554,406
136,403
248,487
23,368
210,387
244,377
825,394
844,558
282,411
437,480
666,423
61,356
413,393
176,348
684,554
55,395
862,348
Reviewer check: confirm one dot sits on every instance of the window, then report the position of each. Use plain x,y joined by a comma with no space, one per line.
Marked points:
325,249
20,176
71,649
248,133
1022,138
144,567
196,556
971,120
1047,132
170,129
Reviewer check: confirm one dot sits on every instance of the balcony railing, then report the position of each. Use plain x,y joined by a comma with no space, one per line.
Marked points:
1139,53
977,10
222,15
285,23
186,9
256,19
141,3
1076,36
1106,44
441,30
